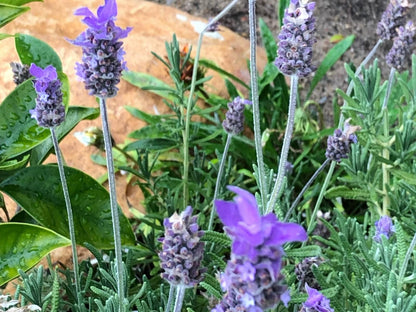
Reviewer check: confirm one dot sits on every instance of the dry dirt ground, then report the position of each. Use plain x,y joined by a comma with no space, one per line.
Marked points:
344,17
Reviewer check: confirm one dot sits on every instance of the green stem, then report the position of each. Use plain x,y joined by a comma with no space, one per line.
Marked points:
113,202
312,222
189,103
70,216
261,176
307,185
286,143
180,294
385,152
219,178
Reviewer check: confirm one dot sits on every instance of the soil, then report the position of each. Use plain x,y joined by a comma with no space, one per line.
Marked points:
352,17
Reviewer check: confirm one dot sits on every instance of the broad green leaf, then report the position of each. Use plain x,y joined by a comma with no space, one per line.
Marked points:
74,115
38,190
19,132
154,144
10,12
15,163
333,55
151,83
268,41
18,2
24,245
34,50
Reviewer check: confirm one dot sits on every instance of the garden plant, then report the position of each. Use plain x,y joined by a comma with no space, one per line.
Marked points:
251,203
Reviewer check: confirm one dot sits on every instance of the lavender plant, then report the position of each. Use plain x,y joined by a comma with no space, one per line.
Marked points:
356,260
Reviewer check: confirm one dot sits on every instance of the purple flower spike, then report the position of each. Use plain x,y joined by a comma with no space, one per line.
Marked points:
294,56
234,118
49,111
102,59
393,17
316,301
252,279
384,226
399,55
182,250
338,145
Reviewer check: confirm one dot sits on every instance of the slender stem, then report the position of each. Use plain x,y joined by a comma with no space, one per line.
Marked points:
261,176
170,298
113,202
219,178
189,103
127,155
312,222
307,185
70,216
406,261
286,143
180,294
385,152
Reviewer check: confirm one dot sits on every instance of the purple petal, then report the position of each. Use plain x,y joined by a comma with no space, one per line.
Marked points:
107,12
36,71
84,11
247,206
286,232
228,213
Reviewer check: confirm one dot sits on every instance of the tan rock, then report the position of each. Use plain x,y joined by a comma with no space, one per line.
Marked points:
153,24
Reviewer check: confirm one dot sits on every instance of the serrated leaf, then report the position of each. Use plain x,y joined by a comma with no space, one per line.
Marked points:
332,56
347,193
217,238
34,50
404,175
19,132
10,12
38,190
23,245
303,252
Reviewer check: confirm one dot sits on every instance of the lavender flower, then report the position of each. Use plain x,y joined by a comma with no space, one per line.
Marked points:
182,250
20,72
393,17
384,226
338,145
252,278
304,274
316,301
102,50
296,39
49,111
234,118
398,56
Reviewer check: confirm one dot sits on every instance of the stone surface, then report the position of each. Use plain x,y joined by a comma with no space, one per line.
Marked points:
153,24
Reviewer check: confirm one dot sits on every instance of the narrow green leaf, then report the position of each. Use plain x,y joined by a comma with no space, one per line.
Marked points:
154,85
10,12
303,252
268,41
333,55
38,190
155,144
148,118
211,65
4,36
74,115
19,132
33,50
406,176
23,245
